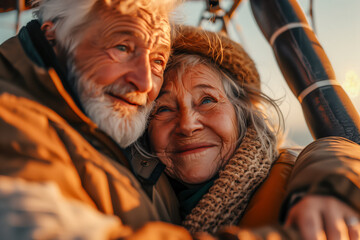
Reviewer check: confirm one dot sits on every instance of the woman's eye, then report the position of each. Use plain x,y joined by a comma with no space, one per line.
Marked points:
158,66
162,110
207,100
159,62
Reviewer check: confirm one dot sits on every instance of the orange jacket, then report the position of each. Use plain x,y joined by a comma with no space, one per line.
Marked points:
328,166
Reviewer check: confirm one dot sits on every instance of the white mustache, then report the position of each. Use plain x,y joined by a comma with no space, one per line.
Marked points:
127,92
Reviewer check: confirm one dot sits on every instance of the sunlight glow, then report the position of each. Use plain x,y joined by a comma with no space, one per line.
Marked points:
351,84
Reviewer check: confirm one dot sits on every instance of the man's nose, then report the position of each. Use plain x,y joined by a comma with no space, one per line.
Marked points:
140,76
189,123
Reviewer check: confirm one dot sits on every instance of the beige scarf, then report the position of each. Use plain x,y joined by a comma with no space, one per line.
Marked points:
227,199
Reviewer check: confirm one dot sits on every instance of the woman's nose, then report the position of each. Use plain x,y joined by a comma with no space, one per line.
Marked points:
189,123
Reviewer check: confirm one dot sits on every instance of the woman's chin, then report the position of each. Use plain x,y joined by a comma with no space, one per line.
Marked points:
196,179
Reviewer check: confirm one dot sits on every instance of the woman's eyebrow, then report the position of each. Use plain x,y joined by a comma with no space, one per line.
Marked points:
204,86
164,92
198,86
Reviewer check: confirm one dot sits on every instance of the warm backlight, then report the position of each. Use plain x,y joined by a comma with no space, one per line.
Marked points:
351,84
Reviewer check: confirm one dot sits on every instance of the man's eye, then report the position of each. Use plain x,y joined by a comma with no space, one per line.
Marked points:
122,48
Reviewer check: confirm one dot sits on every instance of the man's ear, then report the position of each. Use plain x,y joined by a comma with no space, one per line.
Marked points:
49,32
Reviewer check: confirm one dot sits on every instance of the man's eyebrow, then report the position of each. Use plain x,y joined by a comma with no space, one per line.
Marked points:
130,33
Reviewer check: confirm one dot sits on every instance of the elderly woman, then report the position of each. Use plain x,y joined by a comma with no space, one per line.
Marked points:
211,130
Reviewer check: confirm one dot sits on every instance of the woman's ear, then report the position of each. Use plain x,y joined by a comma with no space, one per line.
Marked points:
49,32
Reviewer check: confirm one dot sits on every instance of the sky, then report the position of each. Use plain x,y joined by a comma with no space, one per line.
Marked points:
337,25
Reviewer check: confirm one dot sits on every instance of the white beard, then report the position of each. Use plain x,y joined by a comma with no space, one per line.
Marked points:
124,126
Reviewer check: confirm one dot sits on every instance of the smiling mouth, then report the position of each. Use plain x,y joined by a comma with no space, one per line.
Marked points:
123,100
193,149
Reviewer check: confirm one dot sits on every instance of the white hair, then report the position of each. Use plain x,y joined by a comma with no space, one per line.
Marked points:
67,16
70,16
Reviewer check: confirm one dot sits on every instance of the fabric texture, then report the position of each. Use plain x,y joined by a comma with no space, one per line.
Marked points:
264,208
189,197
225,53
24,205
328,166
227,199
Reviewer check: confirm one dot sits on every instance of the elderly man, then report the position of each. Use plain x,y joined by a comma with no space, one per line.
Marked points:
74,86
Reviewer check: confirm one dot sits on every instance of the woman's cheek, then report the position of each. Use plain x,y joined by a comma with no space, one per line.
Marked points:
160,141
152,138
158,137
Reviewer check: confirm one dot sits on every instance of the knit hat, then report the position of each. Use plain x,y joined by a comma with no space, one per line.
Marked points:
222,51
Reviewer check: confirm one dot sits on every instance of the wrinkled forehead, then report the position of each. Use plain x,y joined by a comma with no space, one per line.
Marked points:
150,14
186,78
187,73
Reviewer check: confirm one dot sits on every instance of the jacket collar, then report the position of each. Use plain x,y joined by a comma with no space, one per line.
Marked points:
148,170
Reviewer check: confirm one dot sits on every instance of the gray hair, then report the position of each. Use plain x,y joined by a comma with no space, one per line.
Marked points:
250,104
71,16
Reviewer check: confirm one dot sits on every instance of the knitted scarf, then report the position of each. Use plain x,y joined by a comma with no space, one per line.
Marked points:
227,199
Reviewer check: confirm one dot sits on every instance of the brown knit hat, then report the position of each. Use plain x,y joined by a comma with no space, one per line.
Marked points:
225,53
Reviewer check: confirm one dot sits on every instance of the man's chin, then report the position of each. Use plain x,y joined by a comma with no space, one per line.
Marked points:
124,125
127,112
